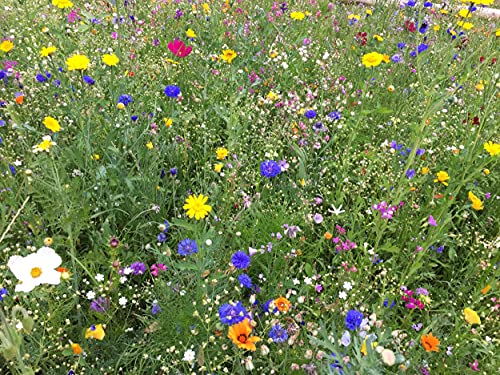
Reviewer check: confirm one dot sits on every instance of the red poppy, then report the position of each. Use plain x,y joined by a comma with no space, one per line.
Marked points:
178,48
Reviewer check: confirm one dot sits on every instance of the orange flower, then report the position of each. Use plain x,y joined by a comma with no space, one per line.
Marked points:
239,333
282,304
430,343
486,289
328,236
77,349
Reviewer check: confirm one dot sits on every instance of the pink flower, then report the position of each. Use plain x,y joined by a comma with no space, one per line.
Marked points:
432,222
178,48
474,366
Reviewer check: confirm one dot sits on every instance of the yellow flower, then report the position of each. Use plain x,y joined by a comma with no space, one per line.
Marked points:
465,13
47,51
168,122
221,153
206,8
372,59
78,62
273,54
386,58
45,29
196,206
272,96
228,55
465,25
52,124
62,3
218,167
110,60
390,88
356,17
425,170
95,332
45,145
480,86
95,157
442,177
363,347
443,11
437,28
369,12
378,37
6,46
149,145
497,33
471,316
120,105
190,33
297,16
486,171
476,202
478,2
492,148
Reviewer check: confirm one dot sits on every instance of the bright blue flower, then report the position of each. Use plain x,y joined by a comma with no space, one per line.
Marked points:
269,169
134,118
410,173
335,115
3,293
401,45
125,100
12,169
56,83
240,260
310,114
245,280
88,80
41,78
162,237
187,247
232,314
278,334
353,319
173,171
172,91
427,4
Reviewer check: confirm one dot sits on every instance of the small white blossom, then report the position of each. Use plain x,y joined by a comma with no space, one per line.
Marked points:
90,294
343,295
122,301
99,277
189,355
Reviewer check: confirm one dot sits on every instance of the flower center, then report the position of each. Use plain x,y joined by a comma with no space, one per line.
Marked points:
36,272
242,338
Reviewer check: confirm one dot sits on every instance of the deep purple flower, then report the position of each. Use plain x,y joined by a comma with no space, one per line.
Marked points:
310,114
138,268
41,78
100,304
240,260
173,171
162,237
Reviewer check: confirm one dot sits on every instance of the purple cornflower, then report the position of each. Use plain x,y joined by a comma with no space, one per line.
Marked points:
100,304
240,260
410,173
138,268
187,247
232,313
353,319
278,334
335,115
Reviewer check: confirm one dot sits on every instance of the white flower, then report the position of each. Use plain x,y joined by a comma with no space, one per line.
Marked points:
122,301
99,277
189,355
336,211
123,279
90,295
296,281
35,269
307,281
347,285
343,295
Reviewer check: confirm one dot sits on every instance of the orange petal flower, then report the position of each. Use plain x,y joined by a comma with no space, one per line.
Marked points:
239,333
430,342
282,304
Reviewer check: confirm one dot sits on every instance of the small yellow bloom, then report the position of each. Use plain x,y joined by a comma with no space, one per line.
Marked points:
442,177
369,12
297,16
486,171
196,206
110,60
120,105
355,17
272,96
480,86
52,124
47,51
476,202
372,59
95,157
273,54
497,33
378,37
228,55
190,33
221,153
45,29
390,88
465,13
168,122
363,347
471,316
45,145
206,8
436,28
48,241
443,11
425,170
95,332
6,46
302,182
149,145
218,167
465,25
492,148
62,4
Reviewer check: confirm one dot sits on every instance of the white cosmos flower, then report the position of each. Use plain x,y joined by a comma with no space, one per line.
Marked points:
35,269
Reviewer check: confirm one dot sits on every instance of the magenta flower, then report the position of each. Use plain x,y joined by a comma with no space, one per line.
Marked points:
178,48
432,222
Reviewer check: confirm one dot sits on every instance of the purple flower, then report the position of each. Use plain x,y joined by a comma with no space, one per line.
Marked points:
138,268
410,173
162,237
125,100
278,334
335,115
240,260
100,304
432,222
318,218
3,293
245,280
187,247
353,319
88,80
172,91
232,313
310,114
155,309
346,339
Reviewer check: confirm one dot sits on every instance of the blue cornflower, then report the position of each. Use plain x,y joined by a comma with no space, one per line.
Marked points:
240,260
353,319
56,83
173,171
41,78
3,74
421,48
266,305
423,28
278,334
134,118
410,173
396,58
420,151
155,309
162,237
3,293
232,313
317,126
138,268
411,3
88,80
172,91
12,170
310,114
245,280
427,4
335,115
187,247
269,169
401,45
125,100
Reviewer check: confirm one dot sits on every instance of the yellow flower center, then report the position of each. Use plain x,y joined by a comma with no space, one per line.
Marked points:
36,272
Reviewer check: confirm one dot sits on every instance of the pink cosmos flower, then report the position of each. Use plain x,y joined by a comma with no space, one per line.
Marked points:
178,48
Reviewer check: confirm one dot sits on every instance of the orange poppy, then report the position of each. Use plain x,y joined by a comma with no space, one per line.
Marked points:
282,304
239,333
20,99
430,343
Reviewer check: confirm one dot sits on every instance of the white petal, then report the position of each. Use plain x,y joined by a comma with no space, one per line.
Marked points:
50,276
49,257
26,286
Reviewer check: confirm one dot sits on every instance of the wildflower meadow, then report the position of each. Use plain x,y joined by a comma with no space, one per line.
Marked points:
238,186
